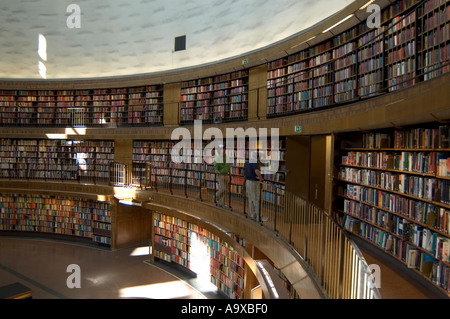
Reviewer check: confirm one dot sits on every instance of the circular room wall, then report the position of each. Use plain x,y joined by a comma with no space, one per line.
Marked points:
47,39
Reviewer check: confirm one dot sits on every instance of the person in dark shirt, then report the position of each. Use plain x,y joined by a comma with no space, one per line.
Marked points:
253,179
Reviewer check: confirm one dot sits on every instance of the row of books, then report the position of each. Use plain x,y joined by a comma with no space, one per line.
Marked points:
60,215
435,218
218,78
68,102
370,80
393,45
175,239
290,106
402,68
435,38
31,215
436,62
214,102
229,277
436,18
81,115
431,5
417,138
432,268
102,239
226,256
393,191
427,189
402,53
413,162
174,235
220,89
199,97
147,89
47,200
399,38
345,74
428,246
190,173
415,209
37,145
66,159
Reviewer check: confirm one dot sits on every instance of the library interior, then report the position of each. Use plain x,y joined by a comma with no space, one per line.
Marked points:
126,156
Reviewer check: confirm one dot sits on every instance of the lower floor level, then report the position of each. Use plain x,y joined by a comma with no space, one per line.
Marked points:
55,269
65,270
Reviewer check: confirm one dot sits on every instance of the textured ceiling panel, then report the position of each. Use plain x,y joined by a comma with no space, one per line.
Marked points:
118,37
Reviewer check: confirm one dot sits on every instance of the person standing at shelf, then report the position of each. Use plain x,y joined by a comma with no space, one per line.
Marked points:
222,168
253,179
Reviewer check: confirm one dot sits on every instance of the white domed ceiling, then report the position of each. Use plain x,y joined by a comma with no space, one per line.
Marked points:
119,37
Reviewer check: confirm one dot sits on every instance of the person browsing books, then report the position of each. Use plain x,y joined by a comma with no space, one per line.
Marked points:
253,179
222,168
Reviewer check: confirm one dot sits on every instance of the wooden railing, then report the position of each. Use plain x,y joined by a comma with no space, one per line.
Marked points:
320,241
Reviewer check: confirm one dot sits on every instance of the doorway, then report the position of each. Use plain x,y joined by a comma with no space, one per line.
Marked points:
308,168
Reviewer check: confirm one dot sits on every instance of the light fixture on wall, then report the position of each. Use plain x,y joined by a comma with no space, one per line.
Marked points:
42,52
367,4
342,21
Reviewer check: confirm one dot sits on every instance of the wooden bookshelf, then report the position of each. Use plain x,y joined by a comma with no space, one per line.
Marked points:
434,38
371,63
194,176
175,241
411,46
362,62
400,51
138,106
73,212
63,160
392,190
219,98
345,67
145,105
58,215
157,153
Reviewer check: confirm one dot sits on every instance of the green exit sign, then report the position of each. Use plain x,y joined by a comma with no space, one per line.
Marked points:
298,129
244,61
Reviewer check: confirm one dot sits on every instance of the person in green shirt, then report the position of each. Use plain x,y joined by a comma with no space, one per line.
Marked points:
222,168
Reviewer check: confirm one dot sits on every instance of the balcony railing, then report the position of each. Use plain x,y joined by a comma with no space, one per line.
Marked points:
320,241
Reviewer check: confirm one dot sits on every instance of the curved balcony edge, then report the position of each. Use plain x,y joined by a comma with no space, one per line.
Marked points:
297,271
421,103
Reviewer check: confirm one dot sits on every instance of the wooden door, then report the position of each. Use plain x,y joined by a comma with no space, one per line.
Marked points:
318,171
298,149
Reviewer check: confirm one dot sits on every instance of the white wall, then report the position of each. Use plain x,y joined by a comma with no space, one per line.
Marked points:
124,37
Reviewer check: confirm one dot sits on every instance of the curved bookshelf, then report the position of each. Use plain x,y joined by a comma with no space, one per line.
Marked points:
73,216
392,191
410,46
177,241
354,66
